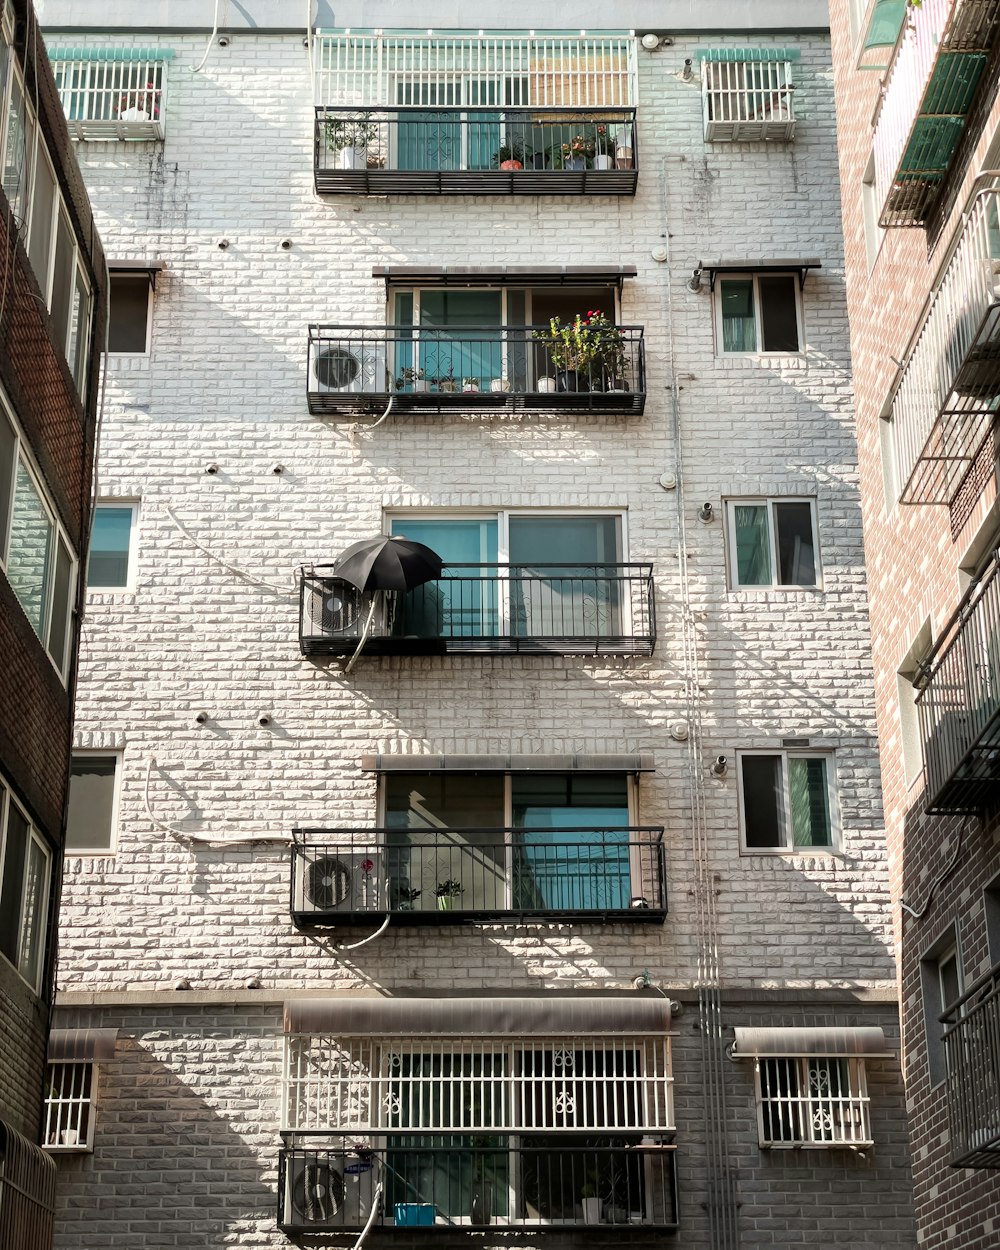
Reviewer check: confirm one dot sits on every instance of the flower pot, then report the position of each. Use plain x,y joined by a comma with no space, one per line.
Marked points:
449,388
446,902
591,1210
500,384
352,158
617,386
470,388
421,385
70,1137
511,165
539,160
623,158
134,115
546,385
575,162
481,1209
604,160
570,380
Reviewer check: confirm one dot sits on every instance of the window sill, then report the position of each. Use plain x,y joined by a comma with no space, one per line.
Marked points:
758,591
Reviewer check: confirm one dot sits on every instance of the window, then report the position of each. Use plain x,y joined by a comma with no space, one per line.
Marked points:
130,314
941,983
787,801
112,546
907,675
93,803
34,550
810,1102
746,101
758,312
772,542
25,877
70,1090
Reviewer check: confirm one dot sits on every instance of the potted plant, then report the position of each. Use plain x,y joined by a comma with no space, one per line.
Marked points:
575,348
509,156
414,378
406,897
447,891
613,359
500,384
604,148
591,1204
446,382
577,153
350,138
141,105
470,385
481,1205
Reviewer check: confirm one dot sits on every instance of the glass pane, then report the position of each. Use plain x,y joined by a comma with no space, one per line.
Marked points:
464,603
796,556
951,982
810,802
8,446
90,819
78,344
428,140
739,333
887,18
460,337
128,313
62,282
43,199
753,545
11,889
30,550
778,318
762,801
16,164
36,884
109,547
62,587
559,588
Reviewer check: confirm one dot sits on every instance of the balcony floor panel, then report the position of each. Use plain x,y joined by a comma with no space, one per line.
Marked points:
432,403
428,917
476,182
480,646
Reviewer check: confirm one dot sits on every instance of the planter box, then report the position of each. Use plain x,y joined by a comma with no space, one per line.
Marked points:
415,1214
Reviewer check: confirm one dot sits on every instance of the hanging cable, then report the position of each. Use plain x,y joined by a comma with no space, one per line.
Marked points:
919,914
376,424
183,835
364,634
376,1199
371,936
196,69
253,581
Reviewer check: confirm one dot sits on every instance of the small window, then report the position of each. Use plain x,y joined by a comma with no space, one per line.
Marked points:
941,983
907,675
772,542
787,801
69,1106
109,564
25,878
812,1102
93,802
130,313
758,312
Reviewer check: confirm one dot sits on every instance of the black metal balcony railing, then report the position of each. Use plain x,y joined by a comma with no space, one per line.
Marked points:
461,876
426,370
420,150
959,706
555,1181
479,609
972,1053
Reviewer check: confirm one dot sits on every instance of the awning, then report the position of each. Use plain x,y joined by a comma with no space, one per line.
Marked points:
81,1045
111,54
756,53
27,1191
149,267
553,1016
761,264
504,275
508,763
864,1041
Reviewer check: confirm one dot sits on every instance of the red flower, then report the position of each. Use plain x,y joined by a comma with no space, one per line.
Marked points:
367,866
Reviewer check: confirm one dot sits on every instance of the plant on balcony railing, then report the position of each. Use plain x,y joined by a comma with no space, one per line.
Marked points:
588,345
142,105
351,140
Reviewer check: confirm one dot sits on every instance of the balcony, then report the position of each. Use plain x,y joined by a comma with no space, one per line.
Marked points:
477,151
972,1051
478,609
112,93
428,370
437,876
947,396
622,1185
959,705
928,90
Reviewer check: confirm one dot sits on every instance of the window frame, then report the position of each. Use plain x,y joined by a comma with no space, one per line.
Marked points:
23,457
789,847
857,1098
119,505
57,1106
771,502
112,847
503,516
759,350
948,946
135,275
34,837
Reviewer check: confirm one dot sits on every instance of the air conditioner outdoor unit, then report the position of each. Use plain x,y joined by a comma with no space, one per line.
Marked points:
336,609
350,366
328,1191
337,881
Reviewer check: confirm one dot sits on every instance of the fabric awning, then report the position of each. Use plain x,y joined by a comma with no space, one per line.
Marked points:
149,267
554,1016
864,1041
508,763
504,275
761,264
81,1045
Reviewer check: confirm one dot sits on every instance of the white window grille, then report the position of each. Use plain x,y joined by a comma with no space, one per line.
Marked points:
69,1106
554,71
812,1102
112,93
747,101
365,1086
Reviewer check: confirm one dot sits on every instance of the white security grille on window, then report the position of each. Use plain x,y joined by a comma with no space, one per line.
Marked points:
747,100
820,1101
69,1104
112,93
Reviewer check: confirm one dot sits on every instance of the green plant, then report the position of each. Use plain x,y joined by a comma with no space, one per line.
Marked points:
340,132
470,384
449,888
512,151
589,339
406,897
408,375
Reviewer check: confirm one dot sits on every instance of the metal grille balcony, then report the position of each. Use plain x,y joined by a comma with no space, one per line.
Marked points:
478,609
460,876
604,1184
929,88
112,93
747,101
475,151
947,397
428,370
972,1051
959,706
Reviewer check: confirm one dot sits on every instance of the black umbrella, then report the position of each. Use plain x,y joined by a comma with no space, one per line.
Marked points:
387,564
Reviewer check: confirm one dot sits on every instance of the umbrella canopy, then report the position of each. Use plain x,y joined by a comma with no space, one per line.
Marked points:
387,564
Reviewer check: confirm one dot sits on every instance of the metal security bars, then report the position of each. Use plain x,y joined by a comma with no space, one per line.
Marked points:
812,1102
928,90
959,705
478,609
460,876
428,370
947,398
555,1181
69,1097
117,94
972,1052
747,101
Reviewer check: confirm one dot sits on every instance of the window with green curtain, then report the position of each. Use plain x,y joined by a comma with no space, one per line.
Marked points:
739,332
810,801
753,545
